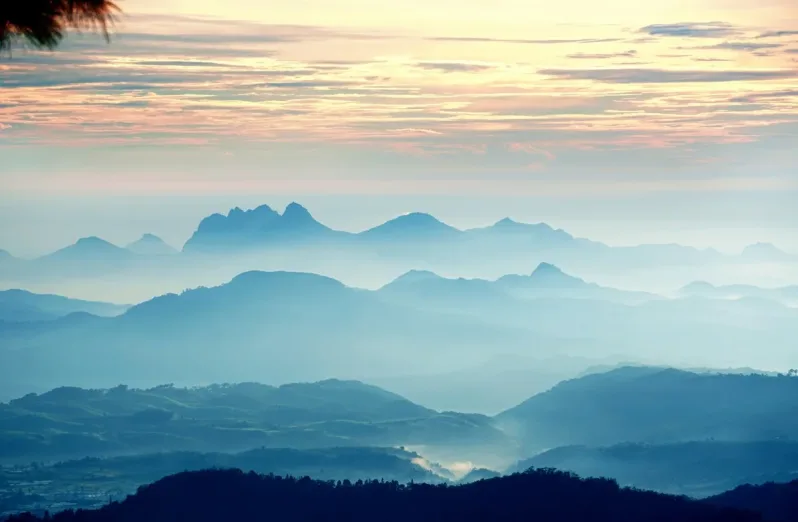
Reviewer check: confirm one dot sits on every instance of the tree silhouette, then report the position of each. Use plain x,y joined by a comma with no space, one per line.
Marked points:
42,24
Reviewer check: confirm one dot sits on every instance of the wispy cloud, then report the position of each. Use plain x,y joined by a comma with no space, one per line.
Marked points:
666,76
692,30
544,41
455,66
742,46
603,56
778,34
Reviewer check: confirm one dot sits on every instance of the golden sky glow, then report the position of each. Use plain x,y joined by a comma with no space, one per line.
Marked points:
517,86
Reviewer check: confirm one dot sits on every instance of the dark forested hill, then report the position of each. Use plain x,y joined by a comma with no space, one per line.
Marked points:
538,495
777,502
90,482
656,405
697,468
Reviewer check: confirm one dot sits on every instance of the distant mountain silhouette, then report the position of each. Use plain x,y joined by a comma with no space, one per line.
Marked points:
785,294
413,226
655,405
696,468
5,256
151,245
282,326
214,495
89,249
258,228
273,326
539,233
766,252
547,281
420,236
261,238
20,305
776,502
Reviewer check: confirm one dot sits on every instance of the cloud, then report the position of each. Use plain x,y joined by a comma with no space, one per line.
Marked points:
748,98
603,56
741,46
549,41
665,76
692,30
451,67
310,84
778,34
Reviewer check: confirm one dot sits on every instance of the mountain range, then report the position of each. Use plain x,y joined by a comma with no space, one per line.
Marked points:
785,294
282,327
264,239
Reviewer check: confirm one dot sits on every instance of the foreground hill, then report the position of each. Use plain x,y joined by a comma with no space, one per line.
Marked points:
655,405
776,502
698,469
20,305
539,495
73,422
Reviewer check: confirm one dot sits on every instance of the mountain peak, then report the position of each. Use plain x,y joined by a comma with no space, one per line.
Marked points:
506,222
413,276
765,251
295,211
547,270
92,241
150,244
413,223
90,248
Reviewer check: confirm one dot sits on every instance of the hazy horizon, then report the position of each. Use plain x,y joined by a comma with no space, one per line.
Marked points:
46,224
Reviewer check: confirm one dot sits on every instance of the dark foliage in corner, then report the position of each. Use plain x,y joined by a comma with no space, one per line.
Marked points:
43,23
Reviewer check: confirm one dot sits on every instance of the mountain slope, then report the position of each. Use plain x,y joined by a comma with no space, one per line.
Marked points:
88,249
646,404
414,226
151,245
696,468
20,305
261,326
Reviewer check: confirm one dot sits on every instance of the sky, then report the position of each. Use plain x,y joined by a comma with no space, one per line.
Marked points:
622,120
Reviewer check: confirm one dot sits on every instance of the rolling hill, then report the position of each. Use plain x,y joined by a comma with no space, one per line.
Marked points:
658,406
75,422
